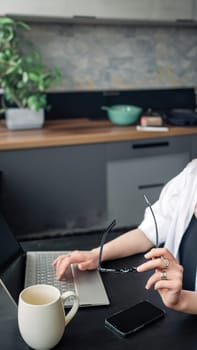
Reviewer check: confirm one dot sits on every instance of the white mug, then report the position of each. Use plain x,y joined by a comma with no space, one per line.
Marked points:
41,315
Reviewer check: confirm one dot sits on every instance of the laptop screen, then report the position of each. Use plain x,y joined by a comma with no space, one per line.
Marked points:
12,261
9,247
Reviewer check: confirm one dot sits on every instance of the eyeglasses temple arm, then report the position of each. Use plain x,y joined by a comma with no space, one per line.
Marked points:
109,228
156,227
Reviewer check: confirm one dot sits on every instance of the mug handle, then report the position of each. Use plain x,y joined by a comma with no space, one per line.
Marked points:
74,307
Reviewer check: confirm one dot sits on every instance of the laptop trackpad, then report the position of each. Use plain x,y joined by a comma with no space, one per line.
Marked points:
90,288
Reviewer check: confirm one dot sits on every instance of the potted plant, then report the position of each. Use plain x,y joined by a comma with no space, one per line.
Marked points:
23,77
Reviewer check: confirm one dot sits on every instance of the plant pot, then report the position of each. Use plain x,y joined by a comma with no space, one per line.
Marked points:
24,118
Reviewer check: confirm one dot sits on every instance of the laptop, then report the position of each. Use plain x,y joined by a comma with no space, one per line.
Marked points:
20,269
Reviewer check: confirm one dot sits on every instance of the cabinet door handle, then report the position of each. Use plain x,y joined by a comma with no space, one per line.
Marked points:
143,187
151,144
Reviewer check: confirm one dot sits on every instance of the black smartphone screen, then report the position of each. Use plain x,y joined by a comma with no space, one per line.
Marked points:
134,318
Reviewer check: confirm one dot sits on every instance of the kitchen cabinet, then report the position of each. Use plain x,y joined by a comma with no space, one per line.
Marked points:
57,189
170,10
195,10
116,9
138,168
75,187
44,8
100,10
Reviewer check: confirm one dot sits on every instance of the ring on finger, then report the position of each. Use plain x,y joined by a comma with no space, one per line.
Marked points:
163,275
165,261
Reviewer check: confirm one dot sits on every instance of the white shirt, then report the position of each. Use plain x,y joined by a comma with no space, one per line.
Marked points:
173,210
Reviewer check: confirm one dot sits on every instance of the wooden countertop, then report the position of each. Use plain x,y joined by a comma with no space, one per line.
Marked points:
79,131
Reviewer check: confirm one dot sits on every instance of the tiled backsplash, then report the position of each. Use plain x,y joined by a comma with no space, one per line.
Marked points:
122,57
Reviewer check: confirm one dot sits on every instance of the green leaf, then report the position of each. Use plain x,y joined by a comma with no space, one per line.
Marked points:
6,20
23,76
34,77
24,25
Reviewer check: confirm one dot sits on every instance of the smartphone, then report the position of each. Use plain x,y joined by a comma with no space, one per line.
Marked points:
130,320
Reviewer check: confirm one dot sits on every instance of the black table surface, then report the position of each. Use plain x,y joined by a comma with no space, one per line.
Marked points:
176,331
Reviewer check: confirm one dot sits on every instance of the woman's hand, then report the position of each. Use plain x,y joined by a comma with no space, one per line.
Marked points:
167,277
85,260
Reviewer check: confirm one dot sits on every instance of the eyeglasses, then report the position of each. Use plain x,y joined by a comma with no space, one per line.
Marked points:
102,269
108,230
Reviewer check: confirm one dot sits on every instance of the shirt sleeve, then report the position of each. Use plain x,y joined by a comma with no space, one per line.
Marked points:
164,209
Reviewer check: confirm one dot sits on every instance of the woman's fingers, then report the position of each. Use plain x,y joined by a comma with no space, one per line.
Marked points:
152,264
159,252
157,276
72,256
160,258
158,263
83,259
167,275
163,278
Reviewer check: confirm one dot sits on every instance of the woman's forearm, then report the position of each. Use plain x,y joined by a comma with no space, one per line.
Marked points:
130,243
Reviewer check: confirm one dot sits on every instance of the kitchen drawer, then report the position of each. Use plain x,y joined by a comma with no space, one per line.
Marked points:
129,179
150,147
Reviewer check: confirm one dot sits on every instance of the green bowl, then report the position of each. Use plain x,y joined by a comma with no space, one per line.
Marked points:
123,114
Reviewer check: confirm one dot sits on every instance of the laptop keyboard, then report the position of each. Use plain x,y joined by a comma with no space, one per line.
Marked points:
39,270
